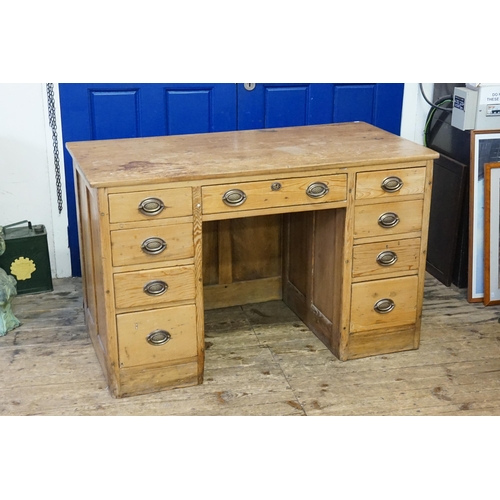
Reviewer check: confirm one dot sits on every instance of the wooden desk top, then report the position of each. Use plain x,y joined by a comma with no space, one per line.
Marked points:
125,162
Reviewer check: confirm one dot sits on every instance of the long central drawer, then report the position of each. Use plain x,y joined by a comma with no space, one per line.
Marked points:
274,193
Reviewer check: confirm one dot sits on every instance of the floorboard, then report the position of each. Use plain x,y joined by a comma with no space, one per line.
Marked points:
260,360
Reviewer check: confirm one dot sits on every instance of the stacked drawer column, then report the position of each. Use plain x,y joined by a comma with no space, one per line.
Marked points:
388,254
155,280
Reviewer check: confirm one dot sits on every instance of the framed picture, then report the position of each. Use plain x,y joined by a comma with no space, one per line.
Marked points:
491,234
485,148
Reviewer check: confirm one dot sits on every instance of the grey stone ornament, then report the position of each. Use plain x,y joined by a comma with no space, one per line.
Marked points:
8,291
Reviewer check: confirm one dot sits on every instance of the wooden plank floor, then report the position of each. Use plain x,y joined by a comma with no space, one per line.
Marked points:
260,360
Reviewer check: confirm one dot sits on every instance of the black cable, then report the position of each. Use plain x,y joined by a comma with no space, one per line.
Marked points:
431,113
432,104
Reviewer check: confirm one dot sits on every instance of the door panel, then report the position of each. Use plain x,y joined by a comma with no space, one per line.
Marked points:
94,111
114,114
188,112
285,107
353,103
272,105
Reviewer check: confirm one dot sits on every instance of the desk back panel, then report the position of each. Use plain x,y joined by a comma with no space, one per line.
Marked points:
242,260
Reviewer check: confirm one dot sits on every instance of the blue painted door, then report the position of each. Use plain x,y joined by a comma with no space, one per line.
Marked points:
113,111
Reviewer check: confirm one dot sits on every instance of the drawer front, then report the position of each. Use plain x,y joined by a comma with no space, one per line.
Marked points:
149,245
274,193
154,287
162,335
388,219
377,259
151,204
390,183
384,303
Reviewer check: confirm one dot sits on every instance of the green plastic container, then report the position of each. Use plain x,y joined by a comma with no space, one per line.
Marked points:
26,257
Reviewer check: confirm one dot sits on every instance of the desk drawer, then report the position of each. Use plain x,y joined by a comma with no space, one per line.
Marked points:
373,259
155,244
388,219
384,303
390,183
274,193
162,335
151,204
154,287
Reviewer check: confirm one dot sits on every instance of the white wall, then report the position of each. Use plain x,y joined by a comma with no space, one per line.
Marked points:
415,111
27,172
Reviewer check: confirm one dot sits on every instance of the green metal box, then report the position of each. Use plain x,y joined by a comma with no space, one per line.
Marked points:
26,257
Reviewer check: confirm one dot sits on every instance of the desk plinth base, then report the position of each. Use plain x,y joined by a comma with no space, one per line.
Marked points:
142,380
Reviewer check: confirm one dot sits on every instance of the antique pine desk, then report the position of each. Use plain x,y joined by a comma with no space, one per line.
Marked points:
331,219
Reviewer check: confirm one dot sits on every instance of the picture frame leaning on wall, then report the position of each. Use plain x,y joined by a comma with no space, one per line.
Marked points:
485,148
491,234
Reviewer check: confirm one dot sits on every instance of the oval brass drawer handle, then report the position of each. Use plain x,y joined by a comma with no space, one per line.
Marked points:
388,219
234,197
158,337
153,246
151,206
384,306
317,190
387,258
155,287
391,184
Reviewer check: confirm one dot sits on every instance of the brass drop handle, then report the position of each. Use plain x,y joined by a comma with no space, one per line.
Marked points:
153,246
387,258
158,337
391,184
151,206
388,220
155,288
234,197
317,190
384,306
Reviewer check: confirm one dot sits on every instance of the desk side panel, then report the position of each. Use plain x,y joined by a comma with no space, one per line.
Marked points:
423,249
95,298
313,272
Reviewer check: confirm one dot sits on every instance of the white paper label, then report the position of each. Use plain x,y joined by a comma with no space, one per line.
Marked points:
490,95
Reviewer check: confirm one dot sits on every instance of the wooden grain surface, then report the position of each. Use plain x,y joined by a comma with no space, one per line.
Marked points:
260,194
260,360
128,162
